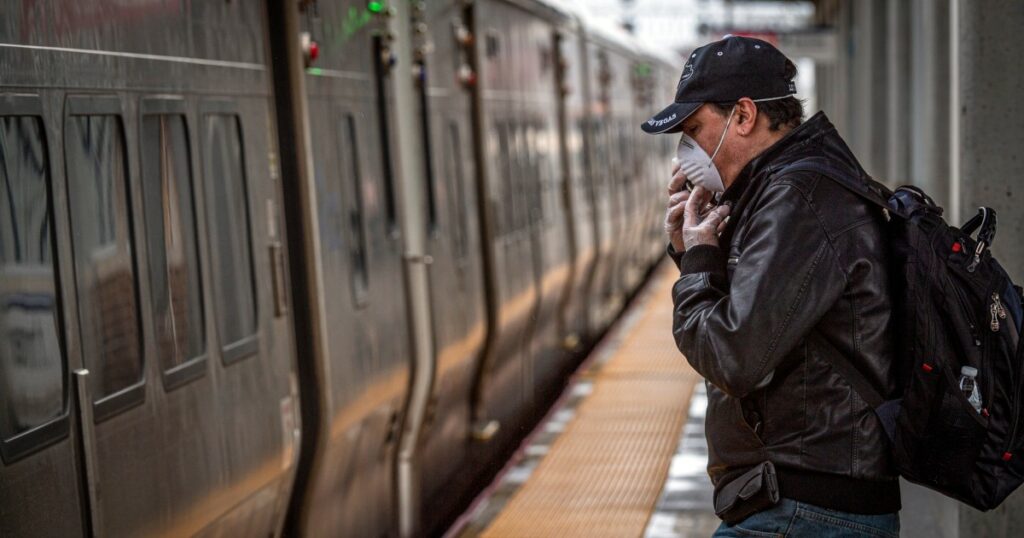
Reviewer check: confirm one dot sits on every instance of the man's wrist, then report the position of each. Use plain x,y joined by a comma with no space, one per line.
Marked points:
705,258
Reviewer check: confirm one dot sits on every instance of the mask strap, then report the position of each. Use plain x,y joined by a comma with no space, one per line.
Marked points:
721,140
733,111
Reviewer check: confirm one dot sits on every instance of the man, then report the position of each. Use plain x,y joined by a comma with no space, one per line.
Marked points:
771,298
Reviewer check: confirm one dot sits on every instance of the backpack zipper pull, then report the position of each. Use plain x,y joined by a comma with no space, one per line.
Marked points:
997,312
999,305
977,257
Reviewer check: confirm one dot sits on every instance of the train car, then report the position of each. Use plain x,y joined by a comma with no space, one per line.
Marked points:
146,347
210,316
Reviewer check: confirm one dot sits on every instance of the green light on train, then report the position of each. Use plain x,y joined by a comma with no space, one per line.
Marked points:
375,7
315,71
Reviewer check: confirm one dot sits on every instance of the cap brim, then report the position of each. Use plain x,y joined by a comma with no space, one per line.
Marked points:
670,120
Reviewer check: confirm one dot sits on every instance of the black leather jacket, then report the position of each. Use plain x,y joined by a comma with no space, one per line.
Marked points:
804,276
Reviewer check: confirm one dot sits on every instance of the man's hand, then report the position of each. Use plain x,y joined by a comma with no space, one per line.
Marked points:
679,179
699,229
677,196
674,219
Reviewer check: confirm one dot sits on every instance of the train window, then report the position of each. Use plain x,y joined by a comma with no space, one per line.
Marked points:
234,286
539,185
31,364
101,232
360,278
504,194
491,44
520,175
457,196
428,158
176,292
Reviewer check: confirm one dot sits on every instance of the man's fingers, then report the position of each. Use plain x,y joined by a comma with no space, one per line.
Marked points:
678,181
723,210
675,214
721,213
693,206
713,220
678,198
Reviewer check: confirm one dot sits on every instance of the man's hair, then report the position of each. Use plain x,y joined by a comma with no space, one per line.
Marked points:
787,112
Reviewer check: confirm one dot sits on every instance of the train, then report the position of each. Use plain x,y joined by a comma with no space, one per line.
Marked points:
304,267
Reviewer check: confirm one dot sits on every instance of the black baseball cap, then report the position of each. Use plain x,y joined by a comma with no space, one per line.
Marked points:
723,72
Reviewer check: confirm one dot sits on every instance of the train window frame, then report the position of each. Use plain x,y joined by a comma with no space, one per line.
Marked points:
381,78
39,437
348,153
194,367
249,346
110,105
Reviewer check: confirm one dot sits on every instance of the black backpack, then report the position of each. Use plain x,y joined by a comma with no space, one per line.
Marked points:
954,306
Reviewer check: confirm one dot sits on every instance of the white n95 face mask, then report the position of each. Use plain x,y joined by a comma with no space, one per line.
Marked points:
697,165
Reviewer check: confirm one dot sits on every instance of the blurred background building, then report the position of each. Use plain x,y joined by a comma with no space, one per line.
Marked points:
925,92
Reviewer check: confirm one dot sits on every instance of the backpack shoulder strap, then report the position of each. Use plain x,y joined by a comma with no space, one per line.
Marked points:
864,187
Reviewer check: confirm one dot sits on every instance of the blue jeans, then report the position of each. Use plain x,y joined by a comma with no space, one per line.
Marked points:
792,519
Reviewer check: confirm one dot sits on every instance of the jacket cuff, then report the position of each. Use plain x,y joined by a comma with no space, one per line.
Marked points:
702,259
676,256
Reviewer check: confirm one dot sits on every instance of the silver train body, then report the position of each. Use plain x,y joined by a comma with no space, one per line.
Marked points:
205,319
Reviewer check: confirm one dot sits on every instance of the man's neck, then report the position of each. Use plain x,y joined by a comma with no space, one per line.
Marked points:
770,138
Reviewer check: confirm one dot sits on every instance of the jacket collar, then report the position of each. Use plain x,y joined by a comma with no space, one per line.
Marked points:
776,154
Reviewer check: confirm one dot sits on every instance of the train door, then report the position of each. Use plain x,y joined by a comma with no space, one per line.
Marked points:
498,393
604,203
38,439
444,58
580,180
551,235
349,481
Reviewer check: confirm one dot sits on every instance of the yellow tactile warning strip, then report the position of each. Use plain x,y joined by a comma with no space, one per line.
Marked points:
603,475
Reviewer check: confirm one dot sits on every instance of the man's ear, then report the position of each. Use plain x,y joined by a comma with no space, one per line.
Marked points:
746,116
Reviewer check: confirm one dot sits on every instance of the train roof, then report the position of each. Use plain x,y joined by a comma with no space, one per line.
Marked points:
611,32
577,11
592,25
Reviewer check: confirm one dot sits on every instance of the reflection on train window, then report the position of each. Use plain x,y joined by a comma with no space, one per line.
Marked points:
31,371
234,285
457,195
104,264
176,292
357,224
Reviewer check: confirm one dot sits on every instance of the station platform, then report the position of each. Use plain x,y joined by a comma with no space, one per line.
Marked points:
622,453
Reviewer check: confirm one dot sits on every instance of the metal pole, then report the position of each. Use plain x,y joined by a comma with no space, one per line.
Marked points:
413,220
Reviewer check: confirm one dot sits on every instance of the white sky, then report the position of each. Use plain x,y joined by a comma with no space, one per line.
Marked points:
673,24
